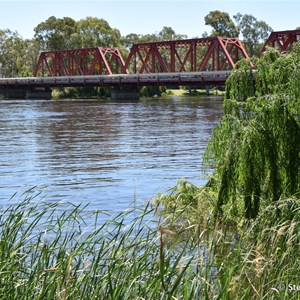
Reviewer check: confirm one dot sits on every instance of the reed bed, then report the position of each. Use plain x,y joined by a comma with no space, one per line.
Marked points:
47,252
50,253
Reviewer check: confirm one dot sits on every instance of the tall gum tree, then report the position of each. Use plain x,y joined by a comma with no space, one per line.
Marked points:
222,24
55,33
17,56
254,32
94,32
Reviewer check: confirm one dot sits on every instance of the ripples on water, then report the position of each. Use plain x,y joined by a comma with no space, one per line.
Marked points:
104,153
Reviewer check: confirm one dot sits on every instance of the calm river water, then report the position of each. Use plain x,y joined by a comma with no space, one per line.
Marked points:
102,152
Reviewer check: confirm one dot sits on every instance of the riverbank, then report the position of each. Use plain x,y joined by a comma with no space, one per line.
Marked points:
103,94
214,91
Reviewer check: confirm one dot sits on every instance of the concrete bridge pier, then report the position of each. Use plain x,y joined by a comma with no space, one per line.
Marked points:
44,94
125,93
25,93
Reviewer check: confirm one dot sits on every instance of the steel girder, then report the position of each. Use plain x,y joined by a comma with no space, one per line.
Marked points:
190,55
86,61
282,40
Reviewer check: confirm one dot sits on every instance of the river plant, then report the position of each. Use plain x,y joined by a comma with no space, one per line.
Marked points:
65,251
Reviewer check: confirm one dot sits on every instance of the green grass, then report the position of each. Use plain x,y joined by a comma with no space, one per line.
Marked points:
54,251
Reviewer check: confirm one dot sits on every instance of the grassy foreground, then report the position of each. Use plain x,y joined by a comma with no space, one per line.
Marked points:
47,252
50,253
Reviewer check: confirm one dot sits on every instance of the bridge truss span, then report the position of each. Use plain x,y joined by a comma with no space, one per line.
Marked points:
190,55
86,61
282,40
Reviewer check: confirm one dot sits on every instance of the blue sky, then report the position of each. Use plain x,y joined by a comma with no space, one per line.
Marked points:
146,17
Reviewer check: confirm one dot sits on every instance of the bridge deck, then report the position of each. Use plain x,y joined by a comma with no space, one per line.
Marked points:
178,78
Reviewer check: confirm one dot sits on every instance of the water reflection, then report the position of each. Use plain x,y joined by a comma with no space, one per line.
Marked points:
103,152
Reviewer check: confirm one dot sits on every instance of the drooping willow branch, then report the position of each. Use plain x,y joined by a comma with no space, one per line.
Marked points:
256,145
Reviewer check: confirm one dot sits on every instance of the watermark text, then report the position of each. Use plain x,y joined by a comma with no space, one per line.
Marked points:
288,287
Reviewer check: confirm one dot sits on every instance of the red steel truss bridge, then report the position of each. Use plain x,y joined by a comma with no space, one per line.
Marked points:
86,61
200,62
282,40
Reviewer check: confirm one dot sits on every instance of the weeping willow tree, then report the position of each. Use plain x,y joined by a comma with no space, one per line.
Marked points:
255,148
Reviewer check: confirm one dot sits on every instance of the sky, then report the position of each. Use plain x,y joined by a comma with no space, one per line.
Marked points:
146,17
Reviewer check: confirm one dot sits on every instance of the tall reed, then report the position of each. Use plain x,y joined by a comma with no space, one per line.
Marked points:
50,251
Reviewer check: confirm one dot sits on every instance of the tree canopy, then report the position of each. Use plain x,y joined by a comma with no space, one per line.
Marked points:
222,24
94,32
55,34
66,33
254,32
17,56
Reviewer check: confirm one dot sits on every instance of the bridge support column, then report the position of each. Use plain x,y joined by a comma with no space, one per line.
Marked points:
44,94
125,93
12,93
207,90
25,93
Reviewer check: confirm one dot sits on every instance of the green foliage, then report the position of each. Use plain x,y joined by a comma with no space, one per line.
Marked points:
166,34
277,223
94,32
186,204
66,33
83,92
55,33
246,257
254,32
152,90
265,263
63,251
222,24
17,56
256,146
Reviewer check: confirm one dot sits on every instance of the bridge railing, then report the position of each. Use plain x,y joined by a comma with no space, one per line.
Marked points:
118,80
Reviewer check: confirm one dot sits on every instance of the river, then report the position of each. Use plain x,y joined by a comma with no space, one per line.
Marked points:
105,153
